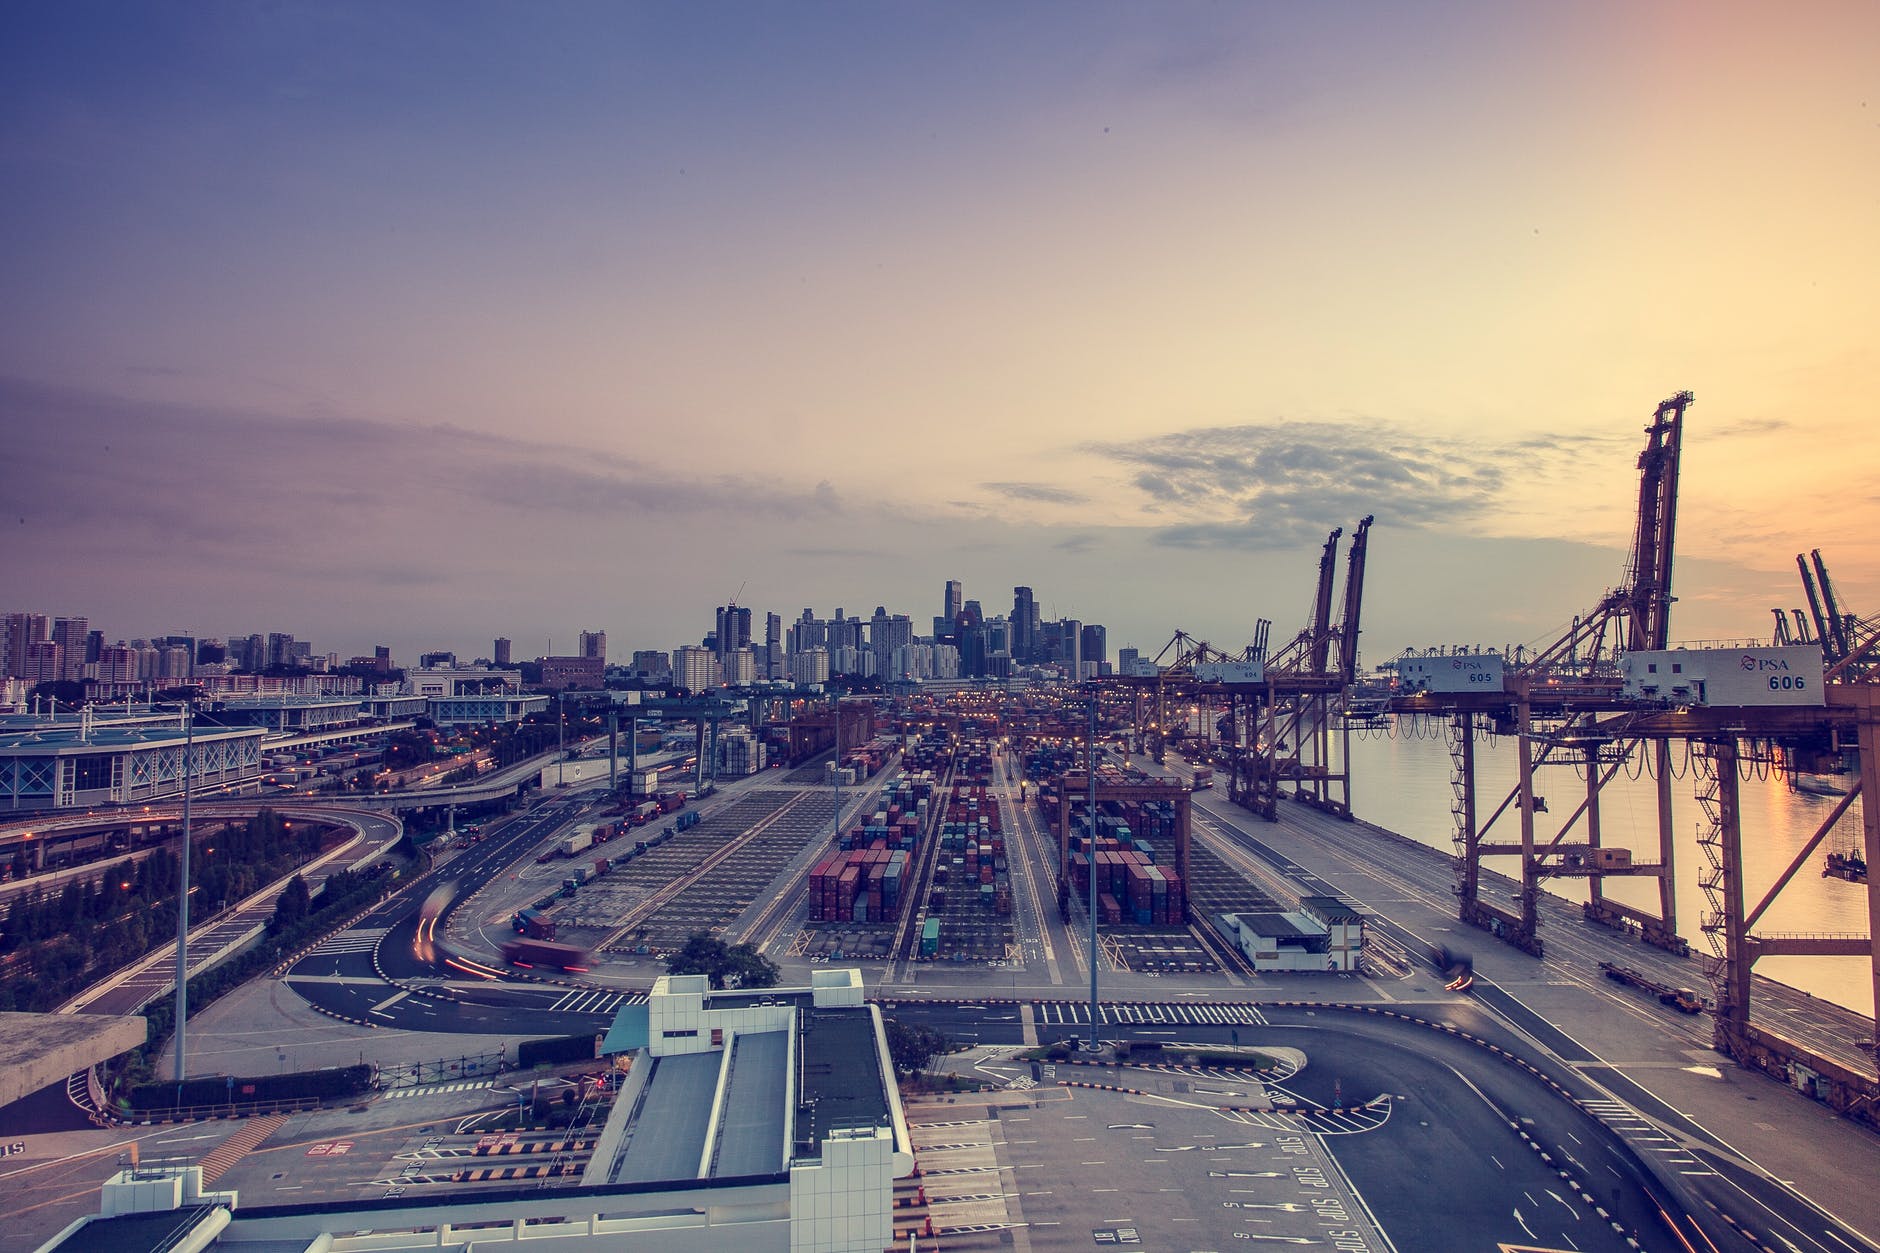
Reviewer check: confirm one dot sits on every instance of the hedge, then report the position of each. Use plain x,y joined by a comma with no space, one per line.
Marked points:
567,1048
330,1082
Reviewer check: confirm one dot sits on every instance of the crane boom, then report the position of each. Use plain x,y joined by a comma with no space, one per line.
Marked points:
1354,600
1321,643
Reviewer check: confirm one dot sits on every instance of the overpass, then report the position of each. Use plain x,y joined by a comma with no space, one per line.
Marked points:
358,811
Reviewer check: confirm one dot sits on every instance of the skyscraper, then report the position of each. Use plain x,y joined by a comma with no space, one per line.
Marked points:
1096,643
1024,625
22,630
773,647
953,599
70,635
501,651
594,644
734,629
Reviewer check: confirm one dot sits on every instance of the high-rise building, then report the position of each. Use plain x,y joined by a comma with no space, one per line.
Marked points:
594,645
696,669
1096,644
650,663
117,663
809,665
886,633
1024,625
740,667
43,662
953,599
734,628
500,652
773,647
1067,642
70,634
22,630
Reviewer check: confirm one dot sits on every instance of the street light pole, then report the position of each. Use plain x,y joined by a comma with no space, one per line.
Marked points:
182,892
1090,855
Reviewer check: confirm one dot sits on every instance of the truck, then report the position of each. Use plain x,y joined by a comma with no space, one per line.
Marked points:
644,812
530,954
686,820
579,842
1204,778
1684,1000
671,801
533,924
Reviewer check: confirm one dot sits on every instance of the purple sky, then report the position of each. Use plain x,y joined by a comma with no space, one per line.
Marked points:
420,324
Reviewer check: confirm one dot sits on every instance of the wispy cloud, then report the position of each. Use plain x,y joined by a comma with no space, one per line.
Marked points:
1042,493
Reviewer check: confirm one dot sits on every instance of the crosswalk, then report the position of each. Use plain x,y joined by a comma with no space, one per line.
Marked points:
438,1089
583,1001
359,940
1169,1014
1645,1137
224,1156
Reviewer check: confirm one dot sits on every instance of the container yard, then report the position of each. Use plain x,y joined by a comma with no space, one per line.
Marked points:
702,879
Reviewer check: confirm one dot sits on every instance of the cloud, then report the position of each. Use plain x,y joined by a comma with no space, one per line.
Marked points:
1752,426
1283,484
1043,493
1076,544
238,487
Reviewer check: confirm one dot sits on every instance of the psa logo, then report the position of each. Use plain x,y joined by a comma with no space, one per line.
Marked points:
1782,680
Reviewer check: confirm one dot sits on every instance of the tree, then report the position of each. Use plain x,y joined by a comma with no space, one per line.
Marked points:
913,1048
727,966
293,905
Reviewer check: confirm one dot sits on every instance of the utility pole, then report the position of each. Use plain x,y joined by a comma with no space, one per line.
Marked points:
561,734
1090,855
182,893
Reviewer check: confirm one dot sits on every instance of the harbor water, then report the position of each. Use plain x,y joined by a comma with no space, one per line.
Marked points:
1401,781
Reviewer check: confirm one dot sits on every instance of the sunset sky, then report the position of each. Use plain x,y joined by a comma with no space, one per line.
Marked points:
422,323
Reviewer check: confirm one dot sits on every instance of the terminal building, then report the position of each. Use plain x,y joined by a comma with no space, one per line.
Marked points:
286,712
82,765
764,1121
487,707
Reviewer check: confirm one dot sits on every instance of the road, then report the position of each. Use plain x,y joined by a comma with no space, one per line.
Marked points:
153,975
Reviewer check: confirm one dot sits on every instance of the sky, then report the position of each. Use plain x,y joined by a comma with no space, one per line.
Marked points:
420,324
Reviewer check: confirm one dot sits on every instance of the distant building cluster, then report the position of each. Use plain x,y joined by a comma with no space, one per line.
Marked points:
964,642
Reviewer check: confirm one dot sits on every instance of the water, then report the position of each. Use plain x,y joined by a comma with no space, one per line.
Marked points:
1400,780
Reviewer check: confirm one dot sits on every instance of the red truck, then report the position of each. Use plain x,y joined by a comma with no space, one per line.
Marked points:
670,801
532,953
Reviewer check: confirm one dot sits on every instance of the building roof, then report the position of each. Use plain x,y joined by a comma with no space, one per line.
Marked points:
1278,926
1331,909
749,1135
107,739
839,1080
667,1135
153,1232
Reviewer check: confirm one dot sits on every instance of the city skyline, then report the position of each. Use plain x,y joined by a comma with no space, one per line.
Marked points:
426,326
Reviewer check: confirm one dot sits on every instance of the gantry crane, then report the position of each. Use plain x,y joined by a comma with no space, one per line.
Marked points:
1551,703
